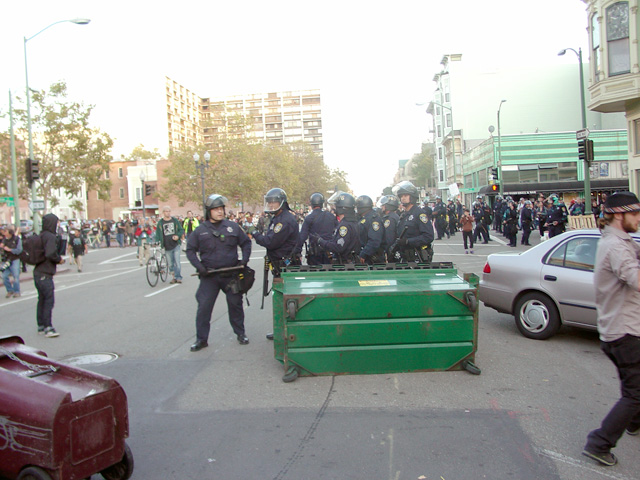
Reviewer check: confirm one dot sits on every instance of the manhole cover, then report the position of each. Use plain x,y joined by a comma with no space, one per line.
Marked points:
90,359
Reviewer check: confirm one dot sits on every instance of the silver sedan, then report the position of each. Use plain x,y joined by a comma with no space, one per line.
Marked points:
547,286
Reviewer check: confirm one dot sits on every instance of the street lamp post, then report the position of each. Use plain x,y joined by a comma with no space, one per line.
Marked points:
583,112
201,166
142,194
77,21
501,182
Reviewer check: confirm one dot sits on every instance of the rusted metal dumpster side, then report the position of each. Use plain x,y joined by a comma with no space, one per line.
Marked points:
366,321
59,420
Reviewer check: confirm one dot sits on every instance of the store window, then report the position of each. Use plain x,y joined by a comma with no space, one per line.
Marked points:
636,136
618,38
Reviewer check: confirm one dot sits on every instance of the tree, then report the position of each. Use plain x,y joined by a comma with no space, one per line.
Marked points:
71,154
243,170
423,166
139,154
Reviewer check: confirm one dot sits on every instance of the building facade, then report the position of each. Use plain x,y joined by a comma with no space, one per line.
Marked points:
614,72
279,117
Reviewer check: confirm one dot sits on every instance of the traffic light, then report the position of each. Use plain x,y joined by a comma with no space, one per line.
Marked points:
147,190
32,169
589,150
494,172
35,169
27,169
585,150
582,150
495,188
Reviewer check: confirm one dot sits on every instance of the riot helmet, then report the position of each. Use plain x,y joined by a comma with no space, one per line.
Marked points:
406,188
389,203
214,201
316,200
275,200
344,203
363,204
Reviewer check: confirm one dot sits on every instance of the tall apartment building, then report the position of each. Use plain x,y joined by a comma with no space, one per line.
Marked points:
279,117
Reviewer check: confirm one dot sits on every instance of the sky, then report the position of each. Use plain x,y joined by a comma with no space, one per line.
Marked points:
372,60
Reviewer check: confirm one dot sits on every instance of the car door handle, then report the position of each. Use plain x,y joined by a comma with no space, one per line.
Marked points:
551,278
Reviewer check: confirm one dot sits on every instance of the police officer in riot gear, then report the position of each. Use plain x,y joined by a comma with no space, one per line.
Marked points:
557,216
390,218
212,246
371,231
344,247
453,217
319,223
281,237
440,216
415,230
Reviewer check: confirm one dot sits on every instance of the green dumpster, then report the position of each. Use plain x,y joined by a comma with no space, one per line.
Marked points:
380,319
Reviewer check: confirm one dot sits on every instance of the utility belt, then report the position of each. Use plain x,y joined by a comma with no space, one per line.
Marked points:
423,254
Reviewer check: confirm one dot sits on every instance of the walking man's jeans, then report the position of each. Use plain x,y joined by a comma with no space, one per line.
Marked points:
44,286
12,271
625,355
173,259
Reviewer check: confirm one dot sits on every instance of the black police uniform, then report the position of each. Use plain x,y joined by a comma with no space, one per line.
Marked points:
280,240
213,246
557,214
526,219
318,223
440,216
453,219
510,221
419,235
390,223
345,244
371,236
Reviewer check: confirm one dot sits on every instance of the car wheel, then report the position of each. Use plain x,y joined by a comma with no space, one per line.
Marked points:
537,316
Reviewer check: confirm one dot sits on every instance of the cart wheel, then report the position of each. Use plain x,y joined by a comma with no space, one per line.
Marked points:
291,309
34,473
472,302
471,367
121,470
291,375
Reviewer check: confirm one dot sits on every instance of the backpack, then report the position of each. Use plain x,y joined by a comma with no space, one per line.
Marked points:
32,250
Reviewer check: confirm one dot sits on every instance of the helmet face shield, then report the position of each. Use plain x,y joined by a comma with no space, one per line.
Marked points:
406,188
274,200
215,200
389,202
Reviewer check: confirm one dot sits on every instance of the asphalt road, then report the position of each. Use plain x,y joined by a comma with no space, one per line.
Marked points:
224,412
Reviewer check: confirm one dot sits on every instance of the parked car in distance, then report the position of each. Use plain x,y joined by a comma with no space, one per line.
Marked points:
547,286
26,226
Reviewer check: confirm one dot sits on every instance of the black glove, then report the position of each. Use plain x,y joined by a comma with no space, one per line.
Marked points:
402,242
313,238
203,272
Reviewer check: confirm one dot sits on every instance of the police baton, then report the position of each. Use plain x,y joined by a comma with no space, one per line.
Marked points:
212,271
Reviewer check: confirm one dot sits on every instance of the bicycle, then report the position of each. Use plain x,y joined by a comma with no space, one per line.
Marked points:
157,266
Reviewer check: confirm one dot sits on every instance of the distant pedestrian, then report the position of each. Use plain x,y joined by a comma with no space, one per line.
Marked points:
43,276
170,233
617,295
11,247
466,222
79,248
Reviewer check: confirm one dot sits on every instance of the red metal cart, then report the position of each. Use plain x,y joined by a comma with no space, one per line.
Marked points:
59,422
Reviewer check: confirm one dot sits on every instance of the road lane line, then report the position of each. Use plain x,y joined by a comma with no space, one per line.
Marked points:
160,291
